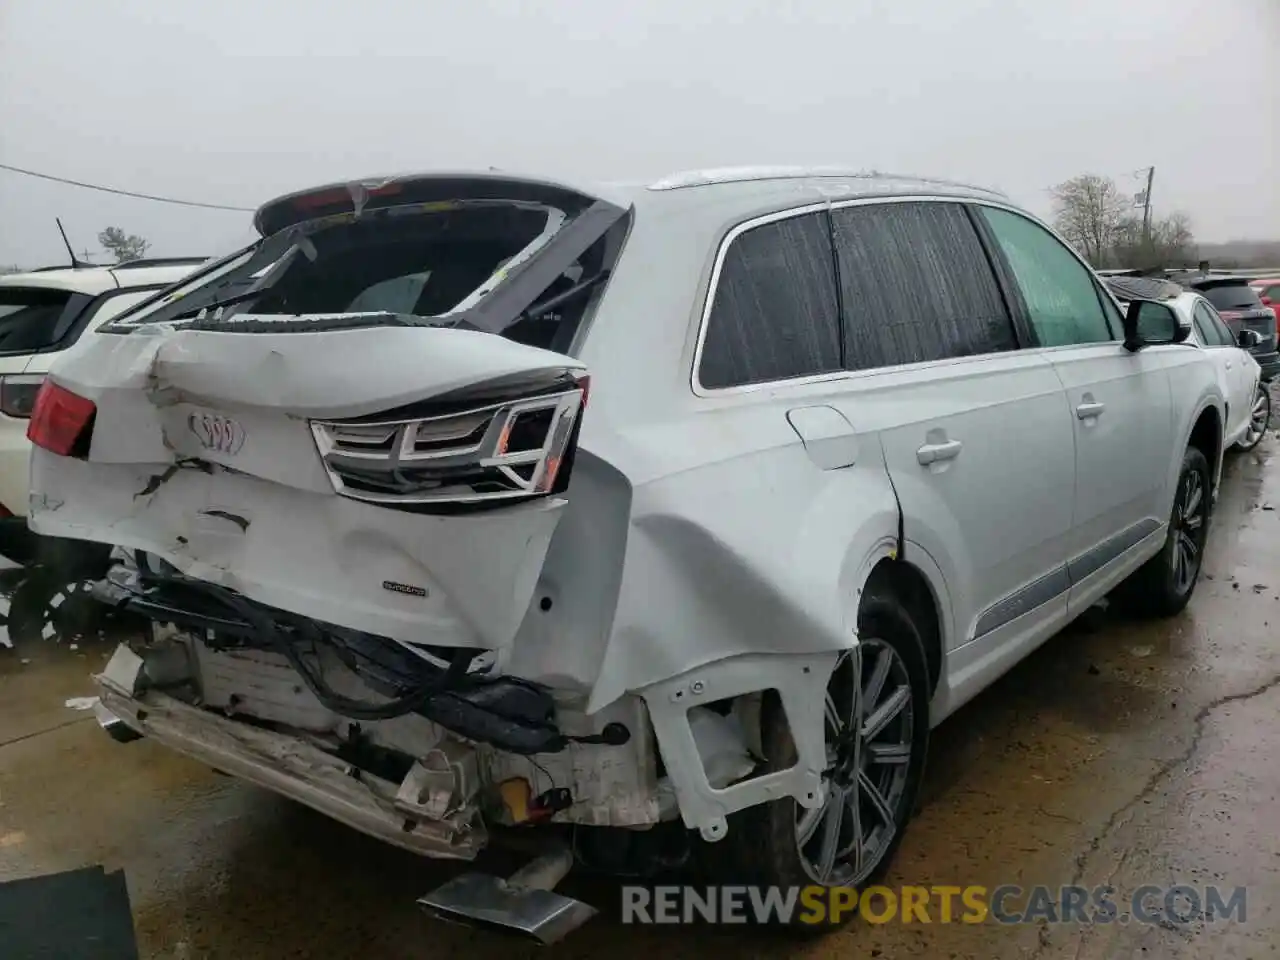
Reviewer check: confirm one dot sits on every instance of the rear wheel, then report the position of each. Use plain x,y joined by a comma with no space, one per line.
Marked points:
1163,586
877,732
1259,419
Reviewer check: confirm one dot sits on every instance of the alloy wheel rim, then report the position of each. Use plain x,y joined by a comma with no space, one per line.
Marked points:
1259,418
868,765
1188,529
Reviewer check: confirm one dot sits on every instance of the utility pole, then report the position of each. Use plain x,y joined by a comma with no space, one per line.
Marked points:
1146,208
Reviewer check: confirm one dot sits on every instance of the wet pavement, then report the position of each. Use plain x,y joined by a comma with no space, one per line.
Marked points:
1121,753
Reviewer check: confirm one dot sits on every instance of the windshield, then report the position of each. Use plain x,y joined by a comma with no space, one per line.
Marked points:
398,260
1233,297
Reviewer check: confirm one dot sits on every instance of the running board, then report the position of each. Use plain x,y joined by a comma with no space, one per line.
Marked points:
522,904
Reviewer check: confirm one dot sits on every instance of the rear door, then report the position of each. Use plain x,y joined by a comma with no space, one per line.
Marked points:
974,430
1119,402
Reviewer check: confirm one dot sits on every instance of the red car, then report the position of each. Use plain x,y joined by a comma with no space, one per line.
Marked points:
1268,290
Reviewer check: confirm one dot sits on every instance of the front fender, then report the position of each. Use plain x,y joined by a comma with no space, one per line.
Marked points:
1194,390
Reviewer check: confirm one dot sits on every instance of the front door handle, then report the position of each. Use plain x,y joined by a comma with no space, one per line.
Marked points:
1088,410
935,452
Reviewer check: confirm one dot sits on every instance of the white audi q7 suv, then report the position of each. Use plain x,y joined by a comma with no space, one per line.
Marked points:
666,519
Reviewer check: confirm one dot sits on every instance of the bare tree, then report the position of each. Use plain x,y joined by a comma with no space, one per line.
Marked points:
124,247
1089,211
1170,243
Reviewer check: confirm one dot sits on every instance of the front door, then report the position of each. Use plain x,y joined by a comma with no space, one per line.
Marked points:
1119,403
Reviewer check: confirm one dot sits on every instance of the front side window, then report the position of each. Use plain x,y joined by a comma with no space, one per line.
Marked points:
774,315
1212,330
916,285
1204,330
1062,301
1225,336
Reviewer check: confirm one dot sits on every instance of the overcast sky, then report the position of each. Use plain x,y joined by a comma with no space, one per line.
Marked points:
235,101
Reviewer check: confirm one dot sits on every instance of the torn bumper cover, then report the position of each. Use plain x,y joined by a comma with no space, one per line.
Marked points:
285,764
506,712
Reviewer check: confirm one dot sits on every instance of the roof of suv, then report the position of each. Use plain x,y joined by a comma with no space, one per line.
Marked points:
96,280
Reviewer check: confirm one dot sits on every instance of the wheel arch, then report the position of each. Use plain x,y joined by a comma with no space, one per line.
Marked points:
1206,435
908,583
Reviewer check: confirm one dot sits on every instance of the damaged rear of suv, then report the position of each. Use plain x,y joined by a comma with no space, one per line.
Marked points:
344,474
629,525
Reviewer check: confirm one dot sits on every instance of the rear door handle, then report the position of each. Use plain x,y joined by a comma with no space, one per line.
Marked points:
1091,409
934,452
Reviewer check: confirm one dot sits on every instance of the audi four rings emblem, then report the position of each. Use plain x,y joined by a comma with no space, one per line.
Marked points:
217,433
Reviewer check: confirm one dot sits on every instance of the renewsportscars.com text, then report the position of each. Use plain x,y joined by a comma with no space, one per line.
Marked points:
1011,904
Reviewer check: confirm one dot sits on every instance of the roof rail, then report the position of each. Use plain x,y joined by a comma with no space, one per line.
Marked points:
706,177
156,262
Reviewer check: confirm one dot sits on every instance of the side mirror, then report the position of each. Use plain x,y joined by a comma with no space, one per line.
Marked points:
1249,339
1148,324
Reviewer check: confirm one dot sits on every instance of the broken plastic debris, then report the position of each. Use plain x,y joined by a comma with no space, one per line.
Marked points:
721,745
82,703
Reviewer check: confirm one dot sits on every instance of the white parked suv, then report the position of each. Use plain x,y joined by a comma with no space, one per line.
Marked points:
44,313
1247,396
669,518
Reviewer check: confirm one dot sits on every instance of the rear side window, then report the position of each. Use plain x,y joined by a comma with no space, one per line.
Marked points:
775,311
1235,296
1063,304
916,285
34,318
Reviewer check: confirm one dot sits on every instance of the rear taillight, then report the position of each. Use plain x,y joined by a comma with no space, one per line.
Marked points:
498,452
61,421
18,394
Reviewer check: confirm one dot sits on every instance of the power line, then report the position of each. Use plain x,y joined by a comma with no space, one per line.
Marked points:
124,193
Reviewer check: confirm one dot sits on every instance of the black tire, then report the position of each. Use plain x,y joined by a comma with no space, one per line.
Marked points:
28,604
1160,588
763,844
1259,422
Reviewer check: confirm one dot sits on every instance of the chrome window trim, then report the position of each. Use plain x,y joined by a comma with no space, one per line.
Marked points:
695,382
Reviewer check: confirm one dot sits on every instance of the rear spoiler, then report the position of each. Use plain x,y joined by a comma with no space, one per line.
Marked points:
1209,283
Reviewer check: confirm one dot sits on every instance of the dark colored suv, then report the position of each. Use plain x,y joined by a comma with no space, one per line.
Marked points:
1240,306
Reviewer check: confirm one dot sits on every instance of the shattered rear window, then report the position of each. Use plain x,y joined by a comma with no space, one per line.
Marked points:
398,260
